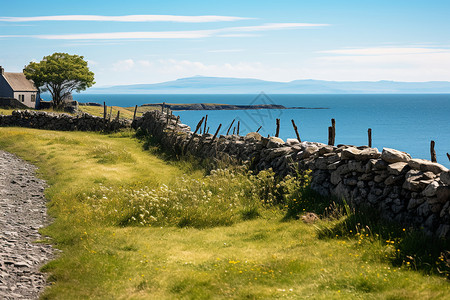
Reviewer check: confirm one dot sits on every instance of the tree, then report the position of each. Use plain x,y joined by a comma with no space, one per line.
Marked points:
60,74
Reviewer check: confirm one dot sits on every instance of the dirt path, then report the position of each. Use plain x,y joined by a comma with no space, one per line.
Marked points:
22,213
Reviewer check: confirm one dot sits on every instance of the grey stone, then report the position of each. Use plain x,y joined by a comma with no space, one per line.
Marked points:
253,135
445,177
393,180
413,203
426,166
368,153
431,189
397,168
349,153
275,142
392,156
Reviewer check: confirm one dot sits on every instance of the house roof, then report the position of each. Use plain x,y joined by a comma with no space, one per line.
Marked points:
19,82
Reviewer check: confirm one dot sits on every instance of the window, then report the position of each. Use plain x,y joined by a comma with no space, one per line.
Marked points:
33,98
22,98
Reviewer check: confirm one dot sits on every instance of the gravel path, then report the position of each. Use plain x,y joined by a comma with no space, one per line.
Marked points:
22,213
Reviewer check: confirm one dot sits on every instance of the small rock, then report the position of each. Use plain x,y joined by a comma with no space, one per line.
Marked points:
392,156
426,166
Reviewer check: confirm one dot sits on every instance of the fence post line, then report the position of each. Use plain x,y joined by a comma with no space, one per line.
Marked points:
296,131
134,115
228,131
333,125
277,133
206,121
432,152
330,135
215,134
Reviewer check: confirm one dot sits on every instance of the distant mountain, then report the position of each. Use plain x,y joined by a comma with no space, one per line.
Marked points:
222,85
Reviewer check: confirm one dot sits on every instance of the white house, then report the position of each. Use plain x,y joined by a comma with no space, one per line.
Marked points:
16,85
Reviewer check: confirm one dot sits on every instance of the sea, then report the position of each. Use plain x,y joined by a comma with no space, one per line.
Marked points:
400,121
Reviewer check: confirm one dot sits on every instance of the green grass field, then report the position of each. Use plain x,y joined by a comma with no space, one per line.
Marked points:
132,225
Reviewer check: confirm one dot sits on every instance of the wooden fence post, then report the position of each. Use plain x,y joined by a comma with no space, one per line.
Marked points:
433,153
259,129
330,136
296,131
105,110
277,133
134,115
118,115
333,125
238,127
215,134
448,155
162,107
204,127
228,131
369,134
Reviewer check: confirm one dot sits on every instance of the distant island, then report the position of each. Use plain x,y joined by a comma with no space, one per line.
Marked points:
222,85
213,106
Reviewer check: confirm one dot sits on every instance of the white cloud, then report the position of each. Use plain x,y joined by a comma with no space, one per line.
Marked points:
145,63
193,34
123,65
384,63
128,18
274,26
130,35
238,35
386,51
225,50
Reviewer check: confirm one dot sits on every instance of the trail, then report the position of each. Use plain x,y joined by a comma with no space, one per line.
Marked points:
22,212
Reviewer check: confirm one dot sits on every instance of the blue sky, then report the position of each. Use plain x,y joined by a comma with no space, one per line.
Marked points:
130,42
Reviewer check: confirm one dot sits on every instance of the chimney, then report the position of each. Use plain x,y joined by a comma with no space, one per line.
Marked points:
2,71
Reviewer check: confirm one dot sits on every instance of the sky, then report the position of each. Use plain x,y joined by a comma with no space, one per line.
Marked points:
146,41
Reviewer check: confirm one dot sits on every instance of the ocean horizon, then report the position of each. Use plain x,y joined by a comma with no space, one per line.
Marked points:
406,122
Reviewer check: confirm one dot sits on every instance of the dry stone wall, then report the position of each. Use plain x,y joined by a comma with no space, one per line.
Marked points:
64,122
412,192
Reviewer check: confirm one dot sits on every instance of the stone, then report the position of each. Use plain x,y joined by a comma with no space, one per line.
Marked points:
253,135
393,180
350,153
368,153
443,194
445,177
274,142
413,203
309,218
23,212
443,231
392,156
397,168
292,142
431,189
325,150
308,152
336,175
426,166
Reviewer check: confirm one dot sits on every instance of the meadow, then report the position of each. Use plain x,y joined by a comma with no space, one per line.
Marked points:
134,223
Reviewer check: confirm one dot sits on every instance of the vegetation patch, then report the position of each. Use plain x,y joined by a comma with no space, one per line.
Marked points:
223,234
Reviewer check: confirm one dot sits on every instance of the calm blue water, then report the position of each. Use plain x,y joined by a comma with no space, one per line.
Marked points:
403,122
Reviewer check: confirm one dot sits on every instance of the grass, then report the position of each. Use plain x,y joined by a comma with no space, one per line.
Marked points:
125,112
98,183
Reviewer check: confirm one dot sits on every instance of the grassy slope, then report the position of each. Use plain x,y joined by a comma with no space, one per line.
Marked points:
125,112
262,258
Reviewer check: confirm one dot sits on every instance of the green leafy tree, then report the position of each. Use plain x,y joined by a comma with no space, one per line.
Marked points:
60,74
